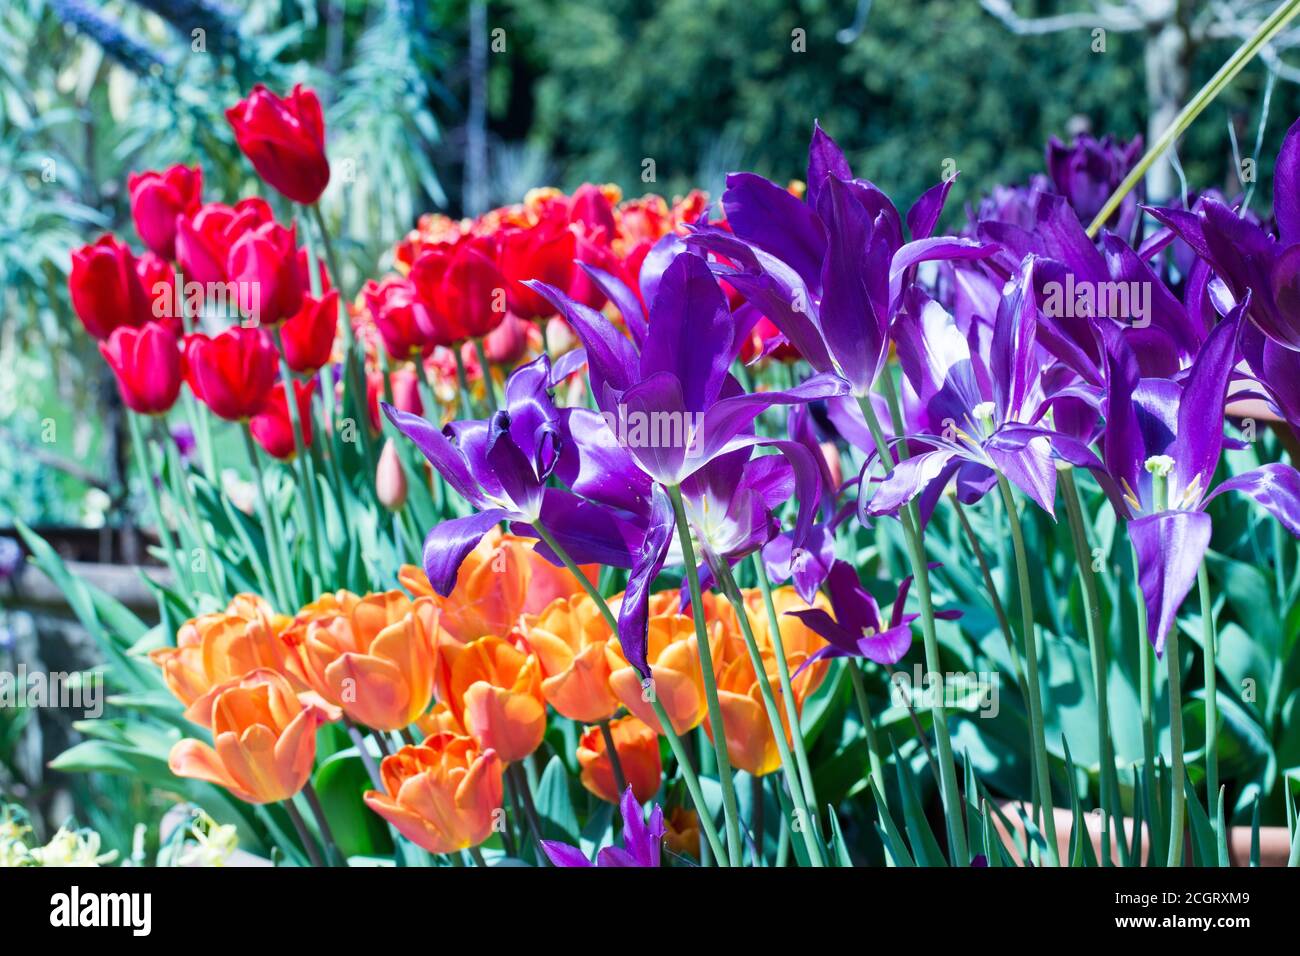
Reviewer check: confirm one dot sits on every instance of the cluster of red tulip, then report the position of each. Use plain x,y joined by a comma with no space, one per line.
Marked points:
205,261
457,303
473,673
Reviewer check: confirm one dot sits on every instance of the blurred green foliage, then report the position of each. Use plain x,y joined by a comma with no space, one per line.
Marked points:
702,86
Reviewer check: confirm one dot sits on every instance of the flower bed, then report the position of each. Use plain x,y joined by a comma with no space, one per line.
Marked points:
691,481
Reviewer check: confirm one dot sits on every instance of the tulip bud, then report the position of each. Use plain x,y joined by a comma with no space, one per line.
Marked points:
559,337
390,478
508,342
832,455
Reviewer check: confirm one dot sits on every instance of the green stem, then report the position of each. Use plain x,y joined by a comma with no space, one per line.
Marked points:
303,459
332,852
787,688
1042,776
477,856
155,502
352,370
462,381
674,741
271,528
733,595
1097,651
868,726
489,384
1004,623
1206,95
619,777
304,835
730,808
1176,749
1210,639
921,577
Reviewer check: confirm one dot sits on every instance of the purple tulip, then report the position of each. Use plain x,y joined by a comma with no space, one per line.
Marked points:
504,466
673,374
1161,446
1089,170
983,406
829,273
857,630
642,842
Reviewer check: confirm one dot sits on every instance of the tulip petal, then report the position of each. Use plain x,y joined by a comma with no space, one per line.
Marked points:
449,543
1170,546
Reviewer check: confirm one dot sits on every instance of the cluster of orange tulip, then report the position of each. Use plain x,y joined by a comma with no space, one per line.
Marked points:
473,673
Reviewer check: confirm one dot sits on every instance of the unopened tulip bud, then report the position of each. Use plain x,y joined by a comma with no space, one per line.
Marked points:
559,337
390,478
832,455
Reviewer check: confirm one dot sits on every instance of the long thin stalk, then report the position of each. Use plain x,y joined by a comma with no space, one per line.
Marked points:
733,595
489,384
1097,651
1210,639
304,835
874,760
303,459
999,610
921,576
1176,749
271,527
332,851
1041,774
787,688
730,808
155,501
1203,98
620,778
683,759
352,369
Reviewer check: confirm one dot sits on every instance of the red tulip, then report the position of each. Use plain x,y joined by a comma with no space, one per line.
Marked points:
263,265
544,252
462,289
147,365
406,393
285,140
308,337
203,240
400,317
231,372
159,282
272,427
591,207
106,289
157,199
509,341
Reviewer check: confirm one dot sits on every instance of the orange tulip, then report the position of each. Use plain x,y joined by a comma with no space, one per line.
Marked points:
638,754
440,720
213,649
569,639
501,579
682,832
265,740
373,656
751,744
674,656
442,795
495,692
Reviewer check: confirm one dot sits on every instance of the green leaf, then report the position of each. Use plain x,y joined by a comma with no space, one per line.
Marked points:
555,806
